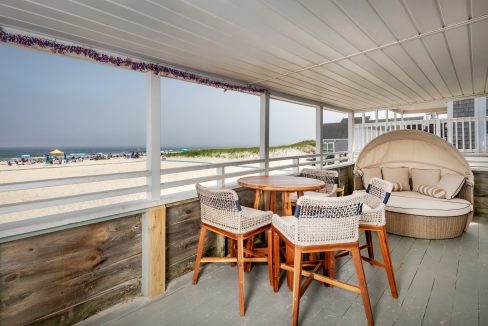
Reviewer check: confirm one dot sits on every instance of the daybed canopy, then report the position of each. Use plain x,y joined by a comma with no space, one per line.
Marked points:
414,148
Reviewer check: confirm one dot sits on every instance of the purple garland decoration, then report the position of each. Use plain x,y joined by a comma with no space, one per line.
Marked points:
59,48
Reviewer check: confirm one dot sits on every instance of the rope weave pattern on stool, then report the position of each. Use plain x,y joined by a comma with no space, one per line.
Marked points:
377,194
221,208
321,221
331,179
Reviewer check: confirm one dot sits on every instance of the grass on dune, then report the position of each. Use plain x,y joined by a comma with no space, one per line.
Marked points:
307,146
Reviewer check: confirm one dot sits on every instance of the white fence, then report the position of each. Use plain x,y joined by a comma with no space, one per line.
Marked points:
176,184
469,134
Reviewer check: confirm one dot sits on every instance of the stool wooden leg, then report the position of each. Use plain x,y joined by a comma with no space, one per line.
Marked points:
325,266
250,240
201,241
270,256
331,265
358,265
276,261
272,201
286,204
250,247
369,242
289,254
385,251
232,250
240,272
297,273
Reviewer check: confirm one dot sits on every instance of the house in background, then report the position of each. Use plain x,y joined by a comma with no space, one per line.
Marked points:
335,133
466,131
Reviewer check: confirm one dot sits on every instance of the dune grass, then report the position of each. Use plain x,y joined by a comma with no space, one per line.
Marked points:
306,146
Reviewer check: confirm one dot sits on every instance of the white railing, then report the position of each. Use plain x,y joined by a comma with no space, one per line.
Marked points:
176,183
468,135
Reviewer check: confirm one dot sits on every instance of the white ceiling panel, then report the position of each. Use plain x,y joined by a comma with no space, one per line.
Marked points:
453,11
458,41
394,14
354,54
438,49
479,34
418,52
425,14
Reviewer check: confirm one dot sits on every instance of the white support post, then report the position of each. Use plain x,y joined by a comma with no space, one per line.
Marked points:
220,171
395,120
350,135
438,127
363,130
376,123
264,132
386,120
153,135
319,134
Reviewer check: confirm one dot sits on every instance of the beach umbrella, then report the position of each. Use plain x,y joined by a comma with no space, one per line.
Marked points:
56,152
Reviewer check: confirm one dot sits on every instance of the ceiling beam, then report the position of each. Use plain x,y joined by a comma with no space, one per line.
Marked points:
277,95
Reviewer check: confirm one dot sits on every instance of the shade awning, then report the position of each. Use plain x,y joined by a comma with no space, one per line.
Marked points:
56,152
414,149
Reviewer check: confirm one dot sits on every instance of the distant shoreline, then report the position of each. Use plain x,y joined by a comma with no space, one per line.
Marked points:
12,153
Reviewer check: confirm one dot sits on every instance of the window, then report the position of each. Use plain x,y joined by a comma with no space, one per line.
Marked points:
93,114
203,125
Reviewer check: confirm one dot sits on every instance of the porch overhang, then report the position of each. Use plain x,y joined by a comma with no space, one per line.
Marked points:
348,55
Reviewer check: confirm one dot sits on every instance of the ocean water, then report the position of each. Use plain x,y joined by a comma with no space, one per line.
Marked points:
9,153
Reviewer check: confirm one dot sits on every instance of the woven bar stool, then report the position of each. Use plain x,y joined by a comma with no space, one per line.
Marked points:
373,220
222,213
331,179
320,225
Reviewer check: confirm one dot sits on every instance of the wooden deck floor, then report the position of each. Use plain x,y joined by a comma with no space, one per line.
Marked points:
440,282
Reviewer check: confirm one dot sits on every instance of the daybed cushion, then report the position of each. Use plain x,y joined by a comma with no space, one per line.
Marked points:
413,203
369,173
428,177
397,175
452,184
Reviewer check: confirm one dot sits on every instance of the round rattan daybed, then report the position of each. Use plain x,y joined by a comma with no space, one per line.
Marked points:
421,150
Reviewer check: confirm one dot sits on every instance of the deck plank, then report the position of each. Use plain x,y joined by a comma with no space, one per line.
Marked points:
440,282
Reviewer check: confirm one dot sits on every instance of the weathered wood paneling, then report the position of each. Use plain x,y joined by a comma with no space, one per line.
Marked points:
481,193
65,276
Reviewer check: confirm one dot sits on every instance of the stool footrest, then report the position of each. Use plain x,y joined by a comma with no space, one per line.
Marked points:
373,262
324,279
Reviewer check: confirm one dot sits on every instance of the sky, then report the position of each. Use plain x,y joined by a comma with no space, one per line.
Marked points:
56,101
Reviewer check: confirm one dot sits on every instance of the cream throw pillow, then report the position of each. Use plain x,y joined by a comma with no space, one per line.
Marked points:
369,173
452,184
427,177
432,191
399,175
397,186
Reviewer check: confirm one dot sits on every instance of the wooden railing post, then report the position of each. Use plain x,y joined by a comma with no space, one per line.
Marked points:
154,251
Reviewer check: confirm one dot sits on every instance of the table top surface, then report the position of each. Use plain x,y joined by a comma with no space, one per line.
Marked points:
281,183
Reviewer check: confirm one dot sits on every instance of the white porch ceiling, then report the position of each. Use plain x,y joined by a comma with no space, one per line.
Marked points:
352,54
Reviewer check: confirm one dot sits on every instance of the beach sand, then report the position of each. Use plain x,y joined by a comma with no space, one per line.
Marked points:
11,174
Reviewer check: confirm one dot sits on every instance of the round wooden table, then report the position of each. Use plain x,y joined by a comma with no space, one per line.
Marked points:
283,184
286,185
